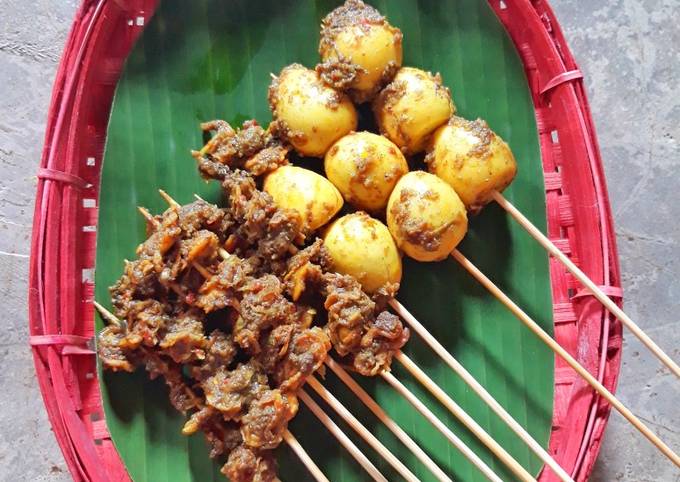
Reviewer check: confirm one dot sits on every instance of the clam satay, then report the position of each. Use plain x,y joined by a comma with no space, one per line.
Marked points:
249,147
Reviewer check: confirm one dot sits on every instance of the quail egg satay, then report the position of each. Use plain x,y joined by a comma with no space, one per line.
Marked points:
471,158
308,114
313,196
411,107
360,50
426,217
365,167
362,247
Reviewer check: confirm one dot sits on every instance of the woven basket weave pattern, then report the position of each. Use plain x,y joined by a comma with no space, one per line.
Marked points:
64,236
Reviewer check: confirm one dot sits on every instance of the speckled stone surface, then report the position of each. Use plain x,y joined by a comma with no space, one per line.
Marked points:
629,51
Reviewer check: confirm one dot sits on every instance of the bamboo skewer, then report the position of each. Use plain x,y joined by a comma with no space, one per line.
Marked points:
592,381
461,415
166,197
341,436
479,390
359,428
110,317
389,423
440,426
586,281
288,437
148,216
314,469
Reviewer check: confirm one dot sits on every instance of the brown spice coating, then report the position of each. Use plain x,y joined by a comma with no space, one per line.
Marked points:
247,465
338,73
267,234
352,12
230,391
251,147
481,150
354,329
480,129
305,353
183,339
387,75
223,290
147,319
348,309
384,295
263,307
305,270
222,437
386,101
384,337
267,419
259,302
182,397
115,349
220,351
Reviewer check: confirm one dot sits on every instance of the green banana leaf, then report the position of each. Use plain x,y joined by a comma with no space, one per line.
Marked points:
206,59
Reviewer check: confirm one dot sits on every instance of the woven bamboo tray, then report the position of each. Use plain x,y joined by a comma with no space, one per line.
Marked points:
64,235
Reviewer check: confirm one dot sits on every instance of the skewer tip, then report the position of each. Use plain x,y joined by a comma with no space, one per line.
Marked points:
108,316
148,216
168,199
145,212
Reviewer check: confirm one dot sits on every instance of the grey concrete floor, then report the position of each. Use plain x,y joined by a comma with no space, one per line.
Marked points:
629,51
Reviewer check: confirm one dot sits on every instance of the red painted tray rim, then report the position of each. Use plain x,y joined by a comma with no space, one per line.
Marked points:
64,231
